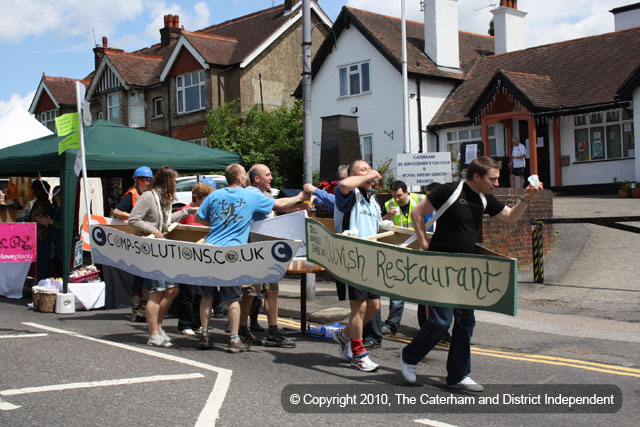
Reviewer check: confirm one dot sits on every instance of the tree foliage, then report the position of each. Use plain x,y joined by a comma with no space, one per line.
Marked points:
270,137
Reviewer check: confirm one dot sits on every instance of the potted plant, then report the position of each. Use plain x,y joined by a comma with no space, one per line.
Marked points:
624,189
635,191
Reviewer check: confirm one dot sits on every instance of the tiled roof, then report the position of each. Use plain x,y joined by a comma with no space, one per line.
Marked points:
214,50
384,32
249,31
63,89
581,72
137,69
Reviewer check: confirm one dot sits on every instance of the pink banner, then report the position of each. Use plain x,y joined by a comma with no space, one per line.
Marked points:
18,242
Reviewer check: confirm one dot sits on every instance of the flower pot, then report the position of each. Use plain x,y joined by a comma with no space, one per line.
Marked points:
635,193
624,193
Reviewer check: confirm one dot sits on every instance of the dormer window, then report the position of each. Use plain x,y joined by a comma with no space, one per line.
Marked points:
48,118
191,92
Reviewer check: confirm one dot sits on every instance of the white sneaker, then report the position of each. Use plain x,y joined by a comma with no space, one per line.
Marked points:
408,371
344,343
163,334
190,332
364,364
466,384
159,341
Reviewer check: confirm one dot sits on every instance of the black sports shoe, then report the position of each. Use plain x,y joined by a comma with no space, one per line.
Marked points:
205,342
249,338
279,340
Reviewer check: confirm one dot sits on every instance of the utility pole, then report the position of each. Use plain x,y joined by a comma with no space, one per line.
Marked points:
306,90
405,83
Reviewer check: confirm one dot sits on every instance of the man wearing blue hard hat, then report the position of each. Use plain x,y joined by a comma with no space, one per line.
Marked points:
142,177
139,296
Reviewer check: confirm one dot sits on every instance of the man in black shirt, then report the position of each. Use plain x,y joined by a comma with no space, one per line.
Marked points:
457,231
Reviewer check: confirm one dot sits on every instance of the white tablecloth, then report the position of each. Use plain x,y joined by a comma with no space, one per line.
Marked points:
12,277
88,295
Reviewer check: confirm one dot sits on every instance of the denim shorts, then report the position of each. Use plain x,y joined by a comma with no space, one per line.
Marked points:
157,285
231,293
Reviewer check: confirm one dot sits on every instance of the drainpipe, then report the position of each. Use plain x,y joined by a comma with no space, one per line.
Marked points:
220,84
261,97
420,148
169,106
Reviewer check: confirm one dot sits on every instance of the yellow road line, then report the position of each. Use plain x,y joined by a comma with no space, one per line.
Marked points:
540,358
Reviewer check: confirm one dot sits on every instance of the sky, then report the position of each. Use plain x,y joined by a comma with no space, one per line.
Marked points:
57,37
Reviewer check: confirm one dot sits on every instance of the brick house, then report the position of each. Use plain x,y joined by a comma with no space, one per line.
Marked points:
54,97
169,87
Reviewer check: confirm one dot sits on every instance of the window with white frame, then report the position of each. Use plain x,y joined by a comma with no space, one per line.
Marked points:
48,118
137,110
199,141
604,135
354,79
456,138
366,148
191,92
157,108
113,108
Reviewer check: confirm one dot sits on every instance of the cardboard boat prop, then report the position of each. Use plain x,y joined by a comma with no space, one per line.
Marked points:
183,257
484,280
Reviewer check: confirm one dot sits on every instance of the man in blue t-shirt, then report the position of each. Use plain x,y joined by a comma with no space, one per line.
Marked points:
229,212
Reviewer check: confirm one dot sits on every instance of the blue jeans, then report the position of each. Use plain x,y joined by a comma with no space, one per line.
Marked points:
373,329
432,331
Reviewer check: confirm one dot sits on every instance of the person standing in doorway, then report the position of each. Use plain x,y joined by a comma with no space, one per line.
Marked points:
518,162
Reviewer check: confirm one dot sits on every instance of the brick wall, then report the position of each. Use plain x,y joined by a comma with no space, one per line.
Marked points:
514,240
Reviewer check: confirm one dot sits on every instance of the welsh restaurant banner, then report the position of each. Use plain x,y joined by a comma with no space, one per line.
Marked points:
18,242
265,260
472,281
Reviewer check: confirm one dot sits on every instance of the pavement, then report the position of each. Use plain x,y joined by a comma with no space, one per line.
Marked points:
591,287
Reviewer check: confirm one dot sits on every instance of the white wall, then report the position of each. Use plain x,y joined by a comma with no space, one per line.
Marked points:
601,172
629,19
432,95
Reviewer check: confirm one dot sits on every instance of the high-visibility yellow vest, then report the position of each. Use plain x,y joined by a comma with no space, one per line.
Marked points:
400,220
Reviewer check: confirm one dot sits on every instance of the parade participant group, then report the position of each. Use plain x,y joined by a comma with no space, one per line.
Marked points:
229,212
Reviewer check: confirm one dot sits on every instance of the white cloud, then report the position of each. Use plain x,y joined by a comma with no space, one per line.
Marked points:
191,20
25,18
16,100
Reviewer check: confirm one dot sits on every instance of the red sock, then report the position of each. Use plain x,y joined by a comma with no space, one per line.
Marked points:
357,348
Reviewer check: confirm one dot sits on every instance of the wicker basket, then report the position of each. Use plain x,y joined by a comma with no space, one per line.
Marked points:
44,302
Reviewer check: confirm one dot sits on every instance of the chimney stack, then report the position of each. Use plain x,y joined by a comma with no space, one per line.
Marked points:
171,30
104,41
441,32
508,26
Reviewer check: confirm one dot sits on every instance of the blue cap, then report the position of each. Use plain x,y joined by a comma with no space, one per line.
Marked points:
143,172
211,182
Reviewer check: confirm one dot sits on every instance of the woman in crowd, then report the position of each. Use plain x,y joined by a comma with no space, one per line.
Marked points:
151,216
39,213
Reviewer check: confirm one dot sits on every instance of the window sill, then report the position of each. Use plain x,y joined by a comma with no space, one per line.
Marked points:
353,96
581,162
157,117
186,113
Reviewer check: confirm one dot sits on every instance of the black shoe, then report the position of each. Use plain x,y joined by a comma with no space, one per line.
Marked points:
255,326
278,340
446,338
205,342
138,319
371,344
249,338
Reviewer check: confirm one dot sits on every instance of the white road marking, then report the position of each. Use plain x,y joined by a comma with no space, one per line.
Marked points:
23,336
433,423
104,383
6,406
211,410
